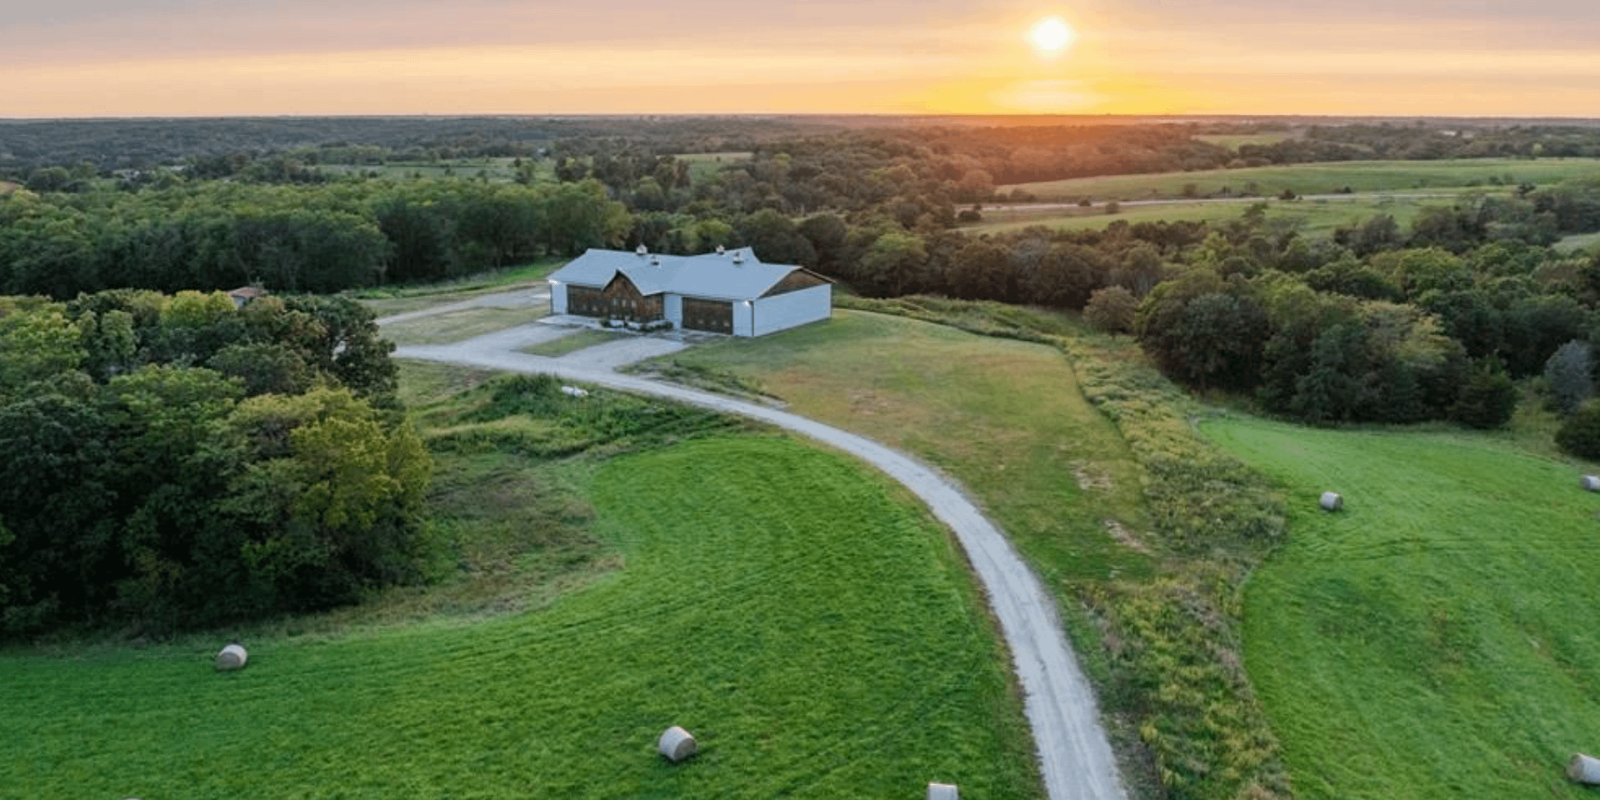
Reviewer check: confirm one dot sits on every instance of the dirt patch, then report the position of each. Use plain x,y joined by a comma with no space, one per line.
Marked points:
1091,477
1124,536
867,403
7,187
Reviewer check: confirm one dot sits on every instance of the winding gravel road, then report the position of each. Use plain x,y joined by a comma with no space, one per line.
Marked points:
1074,754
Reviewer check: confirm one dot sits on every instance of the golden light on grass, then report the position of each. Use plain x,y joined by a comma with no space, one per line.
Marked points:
1050,35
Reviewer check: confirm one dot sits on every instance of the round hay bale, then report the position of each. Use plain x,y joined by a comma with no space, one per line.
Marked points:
1332,501
1584,769
676,744
943,791
231,658
1590,483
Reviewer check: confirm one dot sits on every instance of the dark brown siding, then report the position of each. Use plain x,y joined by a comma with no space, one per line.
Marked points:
795,281
707,315
624,301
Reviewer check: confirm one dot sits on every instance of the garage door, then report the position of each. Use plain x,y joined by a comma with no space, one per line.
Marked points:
708,315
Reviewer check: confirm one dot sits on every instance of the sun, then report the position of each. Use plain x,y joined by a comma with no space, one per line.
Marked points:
1050,35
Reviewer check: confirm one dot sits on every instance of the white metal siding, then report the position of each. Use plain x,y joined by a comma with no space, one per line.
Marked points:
673,309
790,309
558,297
741,318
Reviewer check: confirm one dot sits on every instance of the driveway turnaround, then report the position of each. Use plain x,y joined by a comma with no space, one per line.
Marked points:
1074,754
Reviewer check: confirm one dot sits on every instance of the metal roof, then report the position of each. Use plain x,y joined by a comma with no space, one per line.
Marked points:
712,275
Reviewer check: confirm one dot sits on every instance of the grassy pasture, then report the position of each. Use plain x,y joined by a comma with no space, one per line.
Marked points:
1233,140
1313,217
1320,178
1435,639
1579,242
495,169
1006,418
705,165
459,325
821,641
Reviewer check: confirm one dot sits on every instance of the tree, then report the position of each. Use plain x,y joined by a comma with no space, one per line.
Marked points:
1569,374
1111,309
982,271
1488,399
894,263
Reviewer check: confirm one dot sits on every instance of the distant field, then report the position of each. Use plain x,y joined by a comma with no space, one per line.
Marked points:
1005,418
821,641
1321,178
1579,242
1314,217
705,165
7,187
1436,638
497,170
1232,141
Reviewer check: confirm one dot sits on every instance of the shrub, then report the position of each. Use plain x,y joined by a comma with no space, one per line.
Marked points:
1579,435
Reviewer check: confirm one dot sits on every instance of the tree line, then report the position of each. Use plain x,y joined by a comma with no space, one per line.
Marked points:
174,460
323,238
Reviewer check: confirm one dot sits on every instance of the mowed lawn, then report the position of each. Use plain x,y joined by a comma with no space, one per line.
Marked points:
1437,638
1003,417
816,631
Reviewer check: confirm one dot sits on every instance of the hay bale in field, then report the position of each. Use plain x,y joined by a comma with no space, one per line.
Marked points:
232,657
1590,483
1584,769
943,791
676,744
1332,501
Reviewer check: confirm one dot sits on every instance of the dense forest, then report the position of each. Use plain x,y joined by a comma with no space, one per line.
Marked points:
161,443
173,460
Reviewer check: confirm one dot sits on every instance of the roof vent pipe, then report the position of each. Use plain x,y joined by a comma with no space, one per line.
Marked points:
655,260
721,250
641,250
738,256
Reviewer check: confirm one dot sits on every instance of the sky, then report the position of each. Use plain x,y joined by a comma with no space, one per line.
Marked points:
94,58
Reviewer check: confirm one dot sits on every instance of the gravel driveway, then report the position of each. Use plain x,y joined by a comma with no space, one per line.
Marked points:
1074,754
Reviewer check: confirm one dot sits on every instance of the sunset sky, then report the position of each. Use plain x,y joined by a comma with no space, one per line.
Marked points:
260,57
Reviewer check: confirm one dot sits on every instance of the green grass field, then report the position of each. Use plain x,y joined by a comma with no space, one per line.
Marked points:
1005,418
1312,217
1436,638
705,165
495,170
1582,242
1321,178
821,641
456,326
556,348
1233,140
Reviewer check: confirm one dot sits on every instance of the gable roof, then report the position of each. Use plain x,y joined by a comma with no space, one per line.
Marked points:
712,275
